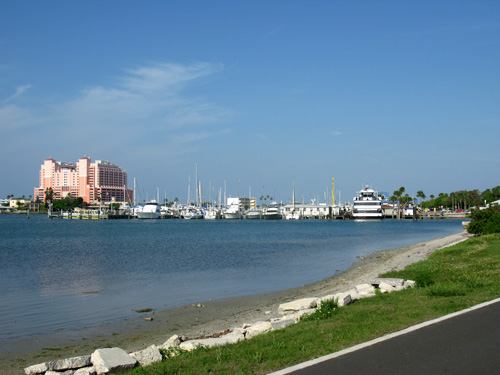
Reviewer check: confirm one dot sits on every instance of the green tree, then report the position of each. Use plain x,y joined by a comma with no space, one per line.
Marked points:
496,192
485,221
49,196
421,195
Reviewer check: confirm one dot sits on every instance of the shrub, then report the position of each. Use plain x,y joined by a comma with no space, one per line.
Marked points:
424,279
325,311
485,221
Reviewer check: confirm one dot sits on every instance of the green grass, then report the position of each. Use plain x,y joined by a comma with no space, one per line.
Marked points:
450,280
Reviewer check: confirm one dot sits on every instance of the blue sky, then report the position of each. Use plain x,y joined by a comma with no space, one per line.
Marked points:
258,93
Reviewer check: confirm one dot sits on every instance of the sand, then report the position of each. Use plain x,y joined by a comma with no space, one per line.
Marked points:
207,317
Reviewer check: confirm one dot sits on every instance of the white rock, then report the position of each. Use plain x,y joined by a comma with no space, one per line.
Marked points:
365,290
86,371
231,338
394,282
67,372
301,313
386,288
147,356
258,329
36,369
111,360
281,323
353,293
69,363
409,284
325,298
301,304
343,299
173,341
190,345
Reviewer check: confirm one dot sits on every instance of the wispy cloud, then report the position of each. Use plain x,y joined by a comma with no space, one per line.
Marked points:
144,107
146,101
19,91
336,133
165,77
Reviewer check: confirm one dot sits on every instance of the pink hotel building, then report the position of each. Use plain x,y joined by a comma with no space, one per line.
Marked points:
90,181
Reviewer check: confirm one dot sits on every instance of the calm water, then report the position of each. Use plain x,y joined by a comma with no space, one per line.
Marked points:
72,273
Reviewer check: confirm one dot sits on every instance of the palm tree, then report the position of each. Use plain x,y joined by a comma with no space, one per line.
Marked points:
421,195
49,196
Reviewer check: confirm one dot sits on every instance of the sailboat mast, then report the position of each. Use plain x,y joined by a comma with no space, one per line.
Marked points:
135,194
196,183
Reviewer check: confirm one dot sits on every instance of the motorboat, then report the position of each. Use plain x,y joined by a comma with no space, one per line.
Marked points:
367,205
254,213
273,212
292,215
233,212
192,213
151,210
213,213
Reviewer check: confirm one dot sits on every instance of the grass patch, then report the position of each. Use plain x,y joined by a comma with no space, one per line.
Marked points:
450,280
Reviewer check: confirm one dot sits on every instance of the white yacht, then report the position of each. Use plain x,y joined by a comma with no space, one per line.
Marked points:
367,205
151,210
192,213
233,212
213,213
293,214
254,214
273,212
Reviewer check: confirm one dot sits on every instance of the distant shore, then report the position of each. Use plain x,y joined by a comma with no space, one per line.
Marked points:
205,317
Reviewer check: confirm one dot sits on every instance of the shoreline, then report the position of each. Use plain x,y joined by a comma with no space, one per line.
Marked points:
207,317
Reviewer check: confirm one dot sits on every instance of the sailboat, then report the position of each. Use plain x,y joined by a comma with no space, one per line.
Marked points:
293,214
191,212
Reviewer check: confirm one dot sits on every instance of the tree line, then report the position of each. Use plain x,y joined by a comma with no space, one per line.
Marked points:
457,200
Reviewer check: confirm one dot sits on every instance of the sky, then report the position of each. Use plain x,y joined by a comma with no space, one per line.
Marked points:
259,95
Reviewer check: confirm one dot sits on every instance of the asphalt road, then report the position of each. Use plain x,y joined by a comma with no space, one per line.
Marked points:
463,343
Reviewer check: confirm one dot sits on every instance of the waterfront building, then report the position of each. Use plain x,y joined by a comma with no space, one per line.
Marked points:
313,210
248,203
98,181
243,203
16,202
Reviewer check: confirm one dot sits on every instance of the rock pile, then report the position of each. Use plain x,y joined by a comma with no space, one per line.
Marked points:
111,360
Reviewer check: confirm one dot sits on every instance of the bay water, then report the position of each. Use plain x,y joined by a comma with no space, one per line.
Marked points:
67,274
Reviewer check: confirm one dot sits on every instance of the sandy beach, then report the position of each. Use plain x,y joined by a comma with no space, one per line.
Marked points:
205,317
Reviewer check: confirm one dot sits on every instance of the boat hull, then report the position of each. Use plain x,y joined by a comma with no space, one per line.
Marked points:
367,218
232,215
148,215
273,216
254,216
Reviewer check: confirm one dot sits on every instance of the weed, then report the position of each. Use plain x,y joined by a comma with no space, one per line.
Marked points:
424,279
279,344
257,358
326,310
